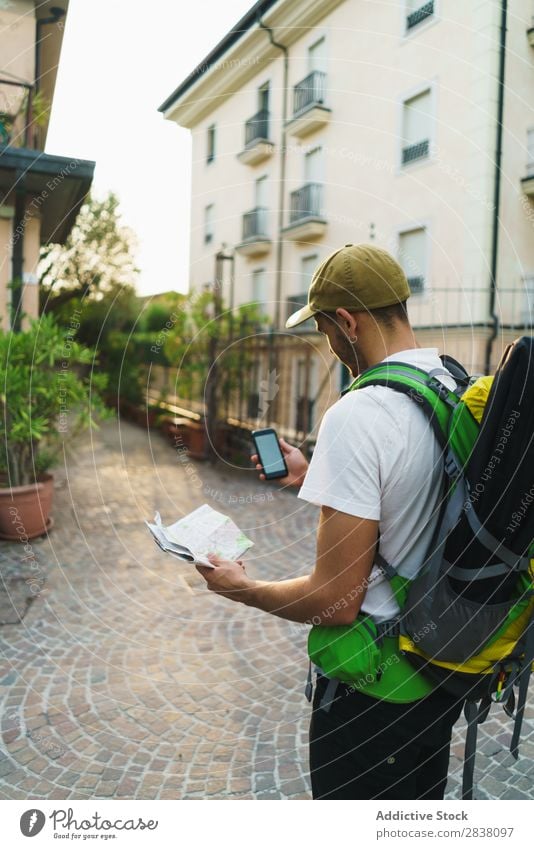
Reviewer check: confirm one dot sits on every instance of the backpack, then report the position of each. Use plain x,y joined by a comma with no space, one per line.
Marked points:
467,619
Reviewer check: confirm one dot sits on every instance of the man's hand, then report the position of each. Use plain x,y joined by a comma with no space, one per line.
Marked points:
331,595
228,578
296,463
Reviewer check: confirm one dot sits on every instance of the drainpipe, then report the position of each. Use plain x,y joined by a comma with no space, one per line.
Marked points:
282,188
497,189
56,13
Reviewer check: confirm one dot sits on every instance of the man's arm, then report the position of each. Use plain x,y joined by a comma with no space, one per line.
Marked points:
331,595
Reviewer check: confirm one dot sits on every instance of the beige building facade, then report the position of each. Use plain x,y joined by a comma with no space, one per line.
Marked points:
40,194
317,124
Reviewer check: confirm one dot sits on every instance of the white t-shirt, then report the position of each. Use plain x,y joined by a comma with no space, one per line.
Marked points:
377,457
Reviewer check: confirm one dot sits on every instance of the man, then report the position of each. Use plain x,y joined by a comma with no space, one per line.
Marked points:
375,473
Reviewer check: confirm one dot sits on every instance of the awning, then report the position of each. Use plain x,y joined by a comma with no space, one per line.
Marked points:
56,186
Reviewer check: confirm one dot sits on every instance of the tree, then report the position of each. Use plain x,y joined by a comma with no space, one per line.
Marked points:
97,258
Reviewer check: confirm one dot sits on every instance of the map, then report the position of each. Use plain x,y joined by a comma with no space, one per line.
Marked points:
196,535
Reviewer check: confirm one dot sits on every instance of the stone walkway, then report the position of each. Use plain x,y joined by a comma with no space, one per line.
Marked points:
126,679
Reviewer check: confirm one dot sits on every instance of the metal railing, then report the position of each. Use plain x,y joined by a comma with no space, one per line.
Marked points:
420,150
420,14
309,91
257,127
255,223
305,202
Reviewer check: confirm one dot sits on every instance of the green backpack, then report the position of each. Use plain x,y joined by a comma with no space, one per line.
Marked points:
404,659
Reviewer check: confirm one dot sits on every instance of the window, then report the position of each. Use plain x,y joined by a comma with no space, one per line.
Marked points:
412,258
210,156
416,127
312,89
530,152
260,192
417,11
259,287
317,56
209,218
263,97
308,264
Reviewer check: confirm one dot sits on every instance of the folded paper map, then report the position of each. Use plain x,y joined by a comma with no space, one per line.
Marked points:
200,533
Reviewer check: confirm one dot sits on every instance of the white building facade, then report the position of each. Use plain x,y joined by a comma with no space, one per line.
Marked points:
317,124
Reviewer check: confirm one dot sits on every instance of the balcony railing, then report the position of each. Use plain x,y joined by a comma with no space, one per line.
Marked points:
419,15
305,202
309,92
415,151
255,223
416,284
257,127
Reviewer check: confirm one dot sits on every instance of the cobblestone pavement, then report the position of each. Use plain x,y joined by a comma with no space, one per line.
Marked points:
126,679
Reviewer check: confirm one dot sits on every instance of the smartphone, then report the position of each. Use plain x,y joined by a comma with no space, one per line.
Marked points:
270,454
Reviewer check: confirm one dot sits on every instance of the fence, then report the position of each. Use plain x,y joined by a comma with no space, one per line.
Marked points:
287,380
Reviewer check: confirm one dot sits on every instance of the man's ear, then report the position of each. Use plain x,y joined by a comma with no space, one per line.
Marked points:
347,321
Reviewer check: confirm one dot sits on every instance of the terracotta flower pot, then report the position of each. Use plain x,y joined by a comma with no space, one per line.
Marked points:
197,441
25,510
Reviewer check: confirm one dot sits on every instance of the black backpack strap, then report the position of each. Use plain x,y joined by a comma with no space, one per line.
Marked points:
457,370
524,678
475,714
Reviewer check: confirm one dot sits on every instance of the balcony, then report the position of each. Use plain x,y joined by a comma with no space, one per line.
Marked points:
309,111
414,152
419,15
306,220
255,240
257,148
527,183
416,284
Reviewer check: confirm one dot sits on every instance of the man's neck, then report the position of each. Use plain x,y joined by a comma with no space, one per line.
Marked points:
388,347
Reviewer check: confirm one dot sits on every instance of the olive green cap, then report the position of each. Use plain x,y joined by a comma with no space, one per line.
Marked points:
357,278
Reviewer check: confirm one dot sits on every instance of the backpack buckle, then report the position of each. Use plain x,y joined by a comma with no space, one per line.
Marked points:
452,469
439,388
391,628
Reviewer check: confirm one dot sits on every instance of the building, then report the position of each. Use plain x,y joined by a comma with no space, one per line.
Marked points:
40,193
317,123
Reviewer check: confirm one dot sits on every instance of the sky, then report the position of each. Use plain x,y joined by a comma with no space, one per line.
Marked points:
120,60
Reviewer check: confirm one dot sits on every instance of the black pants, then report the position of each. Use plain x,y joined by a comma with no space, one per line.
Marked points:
365,748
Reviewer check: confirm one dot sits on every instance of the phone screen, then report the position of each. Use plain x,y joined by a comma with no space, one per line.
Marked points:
270,454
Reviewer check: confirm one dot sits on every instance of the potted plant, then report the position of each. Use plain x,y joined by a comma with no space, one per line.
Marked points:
48,394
